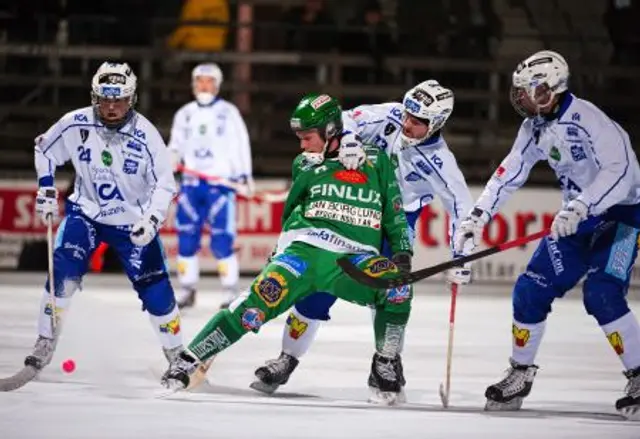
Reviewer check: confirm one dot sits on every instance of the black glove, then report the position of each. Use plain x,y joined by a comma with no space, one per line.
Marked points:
402,261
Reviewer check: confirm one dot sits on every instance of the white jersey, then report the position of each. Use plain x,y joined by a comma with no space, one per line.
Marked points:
590,154
120,174
423,171
212,139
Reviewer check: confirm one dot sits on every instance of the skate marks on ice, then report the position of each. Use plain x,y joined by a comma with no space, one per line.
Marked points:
210,393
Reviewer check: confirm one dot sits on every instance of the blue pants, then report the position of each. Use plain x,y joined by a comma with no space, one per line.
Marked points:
204,202
317,305
605,253
78,237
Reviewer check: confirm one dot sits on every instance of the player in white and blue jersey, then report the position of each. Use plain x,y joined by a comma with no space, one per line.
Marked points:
210,137
594,235
123,188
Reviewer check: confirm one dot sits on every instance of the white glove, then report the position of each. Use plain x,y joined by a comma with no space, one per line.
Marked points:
470,229
47,202
143,232
567,220
460,275
351,153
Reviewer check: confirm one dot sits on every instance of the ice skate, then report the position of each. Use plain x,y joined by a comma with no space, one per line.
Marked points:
274,373
629,405
509,393
42,353
386,380
180,372
188,298
232,294
172,354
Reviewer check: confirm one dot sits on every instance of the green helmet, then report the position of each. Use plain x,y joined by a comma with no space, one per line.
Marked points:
319,111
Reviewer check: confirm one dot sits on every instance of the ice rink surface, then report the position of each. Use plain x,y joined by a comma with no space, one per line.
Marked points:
113,392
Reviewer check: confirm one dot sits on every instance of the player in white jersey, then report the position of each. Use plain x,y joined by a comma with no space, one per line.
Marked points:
209,137
123,187
410,133
594,234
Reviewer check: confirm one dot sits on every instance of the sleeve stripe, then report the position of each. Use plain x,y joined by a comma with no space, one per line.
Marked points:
502,186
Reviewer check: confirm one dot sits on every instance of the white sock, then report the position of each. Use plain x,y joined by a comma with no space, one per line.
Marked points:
167,328
624,336
188,271
62,303
44,317
298,334
229,271
526,341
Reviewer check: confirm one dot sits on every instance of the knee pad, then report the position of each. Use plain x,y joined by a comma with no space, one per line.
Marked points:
605,301
156,294
222,245
68,271
316,306
188,243
533,295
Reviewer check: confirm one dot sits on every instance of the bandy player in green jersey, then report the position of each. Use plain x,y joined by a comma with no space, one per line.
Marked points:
331,212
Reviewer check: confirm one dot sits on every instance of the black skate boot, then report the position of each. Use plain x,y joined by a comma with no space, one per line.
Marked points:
42,353
629,405
509,393
188,299
178,376
172,354
386,380
274,373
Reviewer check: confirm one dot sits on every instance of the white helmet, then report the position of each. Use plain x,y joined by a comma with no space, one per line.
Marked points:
540,78
209,70
431,103
114,81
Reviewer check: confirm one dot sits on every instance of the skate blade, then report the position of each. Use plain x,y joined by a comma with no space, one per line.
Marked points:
631,413
170,388
386,398
268,389
513,405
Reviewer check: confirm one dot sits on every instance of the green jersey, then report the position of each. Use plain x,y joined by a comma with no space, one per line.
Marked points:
345,211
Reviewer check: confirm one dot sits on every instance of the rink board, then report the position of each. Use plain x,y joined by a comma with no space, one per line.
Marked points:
259,223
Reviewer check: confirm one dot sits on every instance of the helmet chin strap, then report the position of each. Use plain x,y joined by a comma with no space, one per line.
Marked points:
317,158
205,98
406,141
